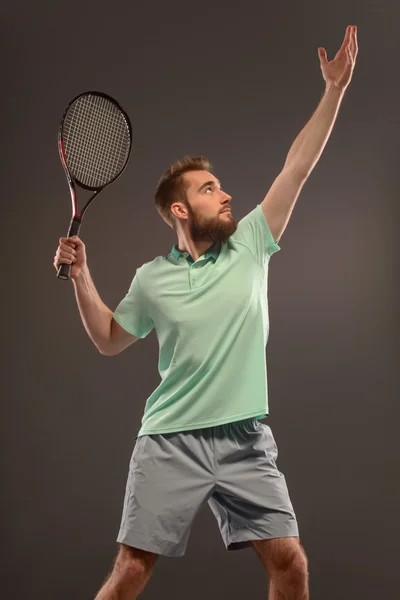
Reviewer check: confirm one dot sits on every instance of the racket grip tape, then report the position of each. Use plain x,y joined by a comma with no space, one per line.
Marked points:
65,270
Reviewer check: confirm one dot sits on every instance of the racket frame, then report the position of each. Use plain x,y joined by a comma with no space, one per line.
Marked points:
74,226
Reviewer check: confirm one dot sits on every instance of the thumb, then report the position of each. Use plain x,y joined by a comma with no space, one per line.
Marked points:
75,241
322,55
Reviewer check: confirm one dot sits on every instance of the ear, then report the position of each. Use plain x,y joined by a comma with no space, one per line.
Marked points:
179,210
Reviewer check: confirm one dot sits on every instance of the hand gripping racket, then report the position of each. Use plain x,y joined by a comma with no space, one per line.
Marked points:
94,143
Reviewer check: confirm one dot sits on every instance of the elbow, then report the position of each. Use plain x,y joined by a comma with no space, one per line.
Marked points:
106,351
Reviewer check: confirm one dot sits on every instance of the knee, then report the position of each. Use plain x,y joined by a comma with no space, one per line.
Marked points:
289,565
294,568
297,573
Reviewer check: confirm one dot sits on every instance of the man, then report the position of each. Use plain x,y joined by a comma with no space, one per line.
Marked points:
201,438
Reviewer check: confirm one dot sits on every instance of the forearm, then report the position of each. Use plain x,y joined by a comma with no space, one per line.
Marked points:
96,316
309,144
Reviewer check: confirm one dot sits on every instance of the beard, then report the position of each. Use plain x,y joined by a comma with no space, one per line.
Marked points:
214,229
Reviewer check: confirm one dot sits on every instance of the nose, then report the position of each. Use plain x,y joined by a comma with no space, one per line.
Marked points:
226,198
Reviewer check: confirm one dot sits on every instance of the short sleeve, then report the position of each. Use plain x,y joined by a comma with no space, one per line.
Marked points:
253,231
131,313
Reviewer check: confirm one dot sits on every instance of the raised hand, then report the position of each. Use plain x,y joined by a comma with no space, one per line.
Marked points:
338,72
71,251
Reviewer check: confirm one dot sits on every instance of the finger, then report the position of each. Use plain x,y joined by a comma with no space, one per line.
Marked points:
349,56
62,261
354,43
68,249
68,241
345,43
66,255
346,38
75,240
322,55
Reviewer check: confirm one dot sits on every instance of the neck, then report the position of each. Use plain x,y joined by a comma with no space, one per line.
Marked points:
195,249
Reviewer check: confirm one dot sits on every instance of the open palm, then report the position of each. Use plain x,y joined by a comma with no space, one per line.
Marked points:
340,70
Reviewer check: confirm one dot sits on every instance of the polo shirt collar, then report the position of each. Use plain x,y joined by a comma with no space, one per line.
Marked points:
212,252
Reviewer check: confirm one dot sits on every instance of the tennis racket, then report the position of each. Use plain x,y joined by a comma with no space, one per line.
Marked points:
94,143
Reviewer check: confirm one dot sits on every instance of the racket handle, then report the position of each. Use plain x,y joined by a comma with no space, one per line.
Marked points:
65,270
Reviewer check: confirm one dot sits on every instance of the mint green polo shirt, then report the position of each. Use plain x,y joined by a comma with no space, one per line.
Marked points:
212,324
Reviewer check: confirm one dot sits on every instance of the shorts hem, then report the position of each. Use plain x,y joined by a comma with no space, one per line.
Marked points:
157,547
243,538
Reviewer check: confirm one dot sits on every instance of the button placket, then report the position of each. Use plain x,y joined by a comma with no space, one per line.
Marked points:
193,276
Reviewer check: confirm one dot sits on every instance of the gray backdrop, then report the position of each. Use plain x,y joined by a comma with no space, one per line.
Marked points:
236,82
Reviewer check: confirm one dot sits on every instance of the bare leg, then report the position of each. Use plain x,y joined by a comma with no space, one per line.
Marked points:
286,564
132,570
274,593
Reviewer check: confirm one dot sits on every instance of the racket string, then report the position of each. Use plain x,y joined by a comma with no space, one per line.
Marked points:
105,144
92,130
97,140
91,143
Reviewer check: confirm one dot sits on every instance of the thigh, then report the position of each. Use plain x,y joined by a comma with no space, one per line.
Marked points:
127,555
251,500
246,455
170,477
277,552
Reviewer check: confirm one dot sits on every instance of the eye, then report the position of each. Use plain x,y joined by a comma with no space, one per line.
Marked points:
208,188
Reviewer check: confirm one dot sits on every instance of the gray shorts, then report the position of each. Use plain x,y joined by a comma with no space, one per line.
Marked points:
232,467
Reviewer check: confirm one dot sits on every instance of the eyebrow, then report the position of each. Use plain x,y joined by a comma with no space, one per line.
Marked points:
207,183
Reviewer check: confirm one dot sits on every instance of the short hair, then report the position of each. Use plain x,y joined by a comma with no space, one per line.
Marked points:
172,186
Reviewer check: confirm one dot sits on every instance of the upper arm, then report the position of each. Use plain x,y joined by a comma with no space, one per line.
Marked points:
131,319
279,203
